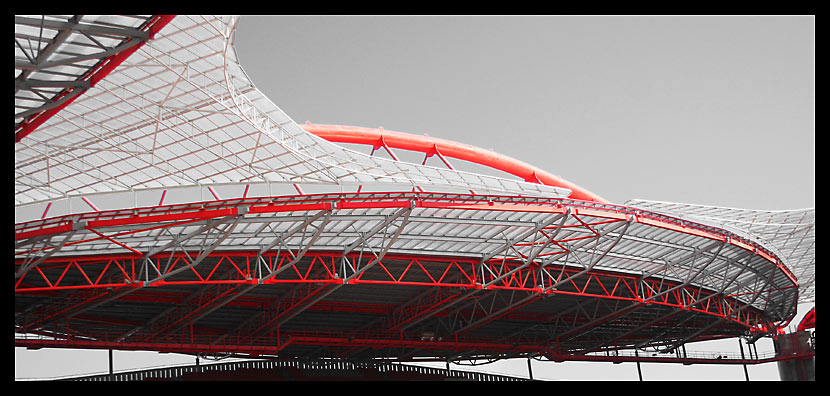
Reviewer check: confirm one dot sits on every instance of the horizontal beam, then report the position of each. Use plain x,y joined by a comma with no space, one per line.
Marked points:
443,274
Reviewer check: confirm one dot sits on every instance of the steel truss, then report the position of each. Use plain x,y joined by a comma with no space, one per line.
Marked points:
59,59
403,276
599,286
790,232
552,279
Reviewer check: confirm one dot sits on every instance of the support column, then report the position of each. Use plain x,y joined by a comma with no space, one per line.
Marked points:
741,345
111,376
791,345
529,369
639,371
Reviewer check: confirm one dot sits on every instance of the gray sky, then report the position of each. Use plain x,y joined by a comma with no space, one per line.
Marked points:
706,110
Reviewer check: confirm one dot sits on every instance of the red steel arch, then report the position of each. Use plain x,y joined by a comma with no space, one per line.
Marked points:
378,137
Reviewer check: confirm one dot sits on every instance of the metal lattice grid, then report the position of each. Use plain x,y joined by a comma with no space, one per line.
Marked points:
180,111
791,232
427,266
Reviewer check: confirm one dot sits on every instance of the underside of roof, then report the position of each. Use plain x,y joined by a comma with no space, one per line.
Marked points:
472,269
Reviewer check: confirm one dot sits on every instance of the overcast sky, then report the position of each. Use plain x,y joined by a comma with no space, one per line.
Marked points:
706,110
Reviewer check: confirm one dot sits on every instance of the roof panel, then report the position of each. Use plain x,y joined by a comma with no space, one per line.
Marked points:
189,56
790,232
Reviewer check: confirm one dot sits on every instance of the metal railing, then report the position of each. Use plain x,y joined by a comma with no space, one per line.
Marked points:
690,355
177,372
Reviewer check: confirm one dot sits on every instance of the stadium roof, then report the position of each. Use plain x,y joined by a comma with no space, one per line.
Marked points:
792,233
59,57
180,111
379,248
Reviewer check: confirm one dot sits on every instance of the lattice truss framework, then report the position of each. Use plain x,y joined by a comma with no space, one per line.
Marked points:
58,57
464,271
180,111
401,275
791,232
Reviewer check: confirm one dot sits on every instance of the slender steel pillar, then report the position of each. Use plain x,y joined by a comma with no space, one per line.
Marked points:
529,369
741,345
111,377
639,372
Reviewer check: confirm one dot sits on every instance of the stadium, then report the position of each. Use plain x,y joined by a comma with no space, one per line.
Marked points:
172,216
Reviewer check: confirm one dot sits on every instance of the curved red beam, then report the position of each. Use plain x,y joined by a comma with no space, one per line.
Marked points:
431,146
809,321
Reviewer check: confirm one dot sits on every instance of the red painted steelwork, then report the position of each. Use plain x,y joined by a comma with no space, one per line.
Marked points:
86,282
809,321
216,209
115,271
101,70
430,146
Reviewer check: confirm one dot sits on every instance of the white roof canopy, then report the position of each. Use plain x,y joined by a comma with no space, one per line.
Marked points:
180,111
791,232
